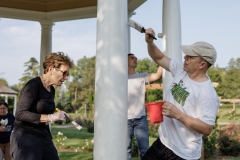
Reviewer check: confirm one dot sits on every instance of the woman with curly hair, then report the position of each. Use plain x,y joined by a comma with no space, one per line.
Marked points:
31,138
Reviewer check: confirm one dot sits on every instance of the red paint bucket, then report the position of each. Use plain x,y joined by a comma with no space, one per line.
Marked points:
155,111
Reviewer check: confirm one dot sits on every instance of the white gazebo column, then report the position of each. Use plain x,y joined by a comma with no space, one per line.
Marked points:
6,98
129,38
130,14
171,41
15,104
110,118
46,40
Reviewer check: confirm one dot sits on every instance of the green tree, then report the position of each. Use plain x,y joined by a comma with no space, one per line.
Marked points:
231,80
3,82
31,71
154,95
16,87
146,65
63,102
90,98
149,66
216,74
83,81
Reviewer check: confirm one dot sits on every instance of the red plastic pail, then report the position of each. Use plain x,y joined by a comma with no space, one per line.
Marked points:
155,111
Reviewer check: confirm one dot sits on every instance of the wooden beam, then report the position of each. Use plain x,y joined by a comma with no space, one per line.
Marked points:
160,85
230,100
154,86
215,84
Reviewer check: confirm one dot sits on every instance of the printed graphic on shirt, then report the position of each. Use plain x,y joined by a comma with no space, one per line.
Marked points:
8,128
4,122
179,93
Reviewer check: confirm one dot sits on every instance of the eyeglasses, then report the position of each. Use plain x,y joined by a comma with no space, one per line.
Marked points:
65,73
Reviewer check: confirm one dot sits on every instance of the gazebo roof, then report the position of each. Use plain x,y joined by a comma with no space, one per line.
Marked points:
6,90
57,10
47,5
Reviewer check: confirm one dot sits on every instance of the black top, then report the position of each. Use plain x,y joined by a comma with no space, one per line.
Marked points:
34,101
8,122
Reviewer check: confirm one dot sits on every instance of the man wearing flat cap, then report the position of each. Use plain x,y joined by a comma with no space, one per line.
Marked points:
191,102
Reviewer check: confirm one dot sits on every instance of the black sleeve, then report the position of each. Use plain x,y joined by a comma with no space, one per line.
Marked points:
13,119
26,109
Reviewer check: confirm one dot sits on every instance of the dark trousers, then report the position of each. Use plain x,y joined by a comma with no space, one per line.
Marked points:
159,151
25,146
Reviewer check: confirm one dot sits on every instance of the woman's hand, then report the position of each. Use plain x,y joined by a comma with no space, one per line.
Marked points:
57,116
2,128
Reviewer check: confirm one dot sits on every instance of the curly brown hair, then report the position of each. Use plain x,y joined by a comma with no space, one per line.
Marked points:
56,60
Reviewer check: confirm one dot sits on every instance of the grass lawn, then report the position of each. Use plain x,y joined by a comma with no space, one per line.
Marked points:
223,158
224,114
64,155
75,138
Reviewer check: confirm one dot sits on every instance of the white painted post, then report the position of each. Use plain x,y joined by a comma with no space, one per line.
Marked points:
46,40
15,104
6,98
171,41
130,14
110,118
46,43
129,38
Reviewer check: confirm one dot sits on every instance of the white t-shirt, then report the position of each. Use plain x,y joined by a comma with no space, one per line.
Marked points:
196,99
136,95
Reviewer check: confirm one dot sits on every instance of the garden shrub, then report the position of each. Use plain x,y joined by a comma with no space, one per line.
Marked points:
229,141
232,114
152,129
89,124
60,139
210,141
88,145
134,147
58,122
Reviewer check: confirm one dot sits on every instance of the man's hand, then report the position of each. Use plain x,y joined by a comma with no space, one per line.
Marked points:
194,124
171,111
149,39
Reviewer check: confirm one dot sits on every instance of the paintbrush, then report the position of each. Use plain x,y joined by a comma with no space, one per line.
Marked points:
139,28
72,121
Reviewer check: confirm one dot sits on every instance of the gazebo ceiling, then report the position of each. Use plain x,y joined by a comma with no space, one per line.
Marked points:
56,10
47,5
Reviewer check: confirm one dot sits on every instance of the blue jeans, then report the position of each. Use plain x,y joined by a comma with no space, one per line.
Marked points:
139,128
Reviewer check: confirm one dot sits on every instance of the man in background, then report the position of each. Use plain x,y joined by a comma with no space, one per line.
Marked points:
137,122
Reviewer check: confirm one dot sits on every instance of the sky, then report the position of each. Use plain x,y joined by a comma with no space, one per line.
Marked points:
213,21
